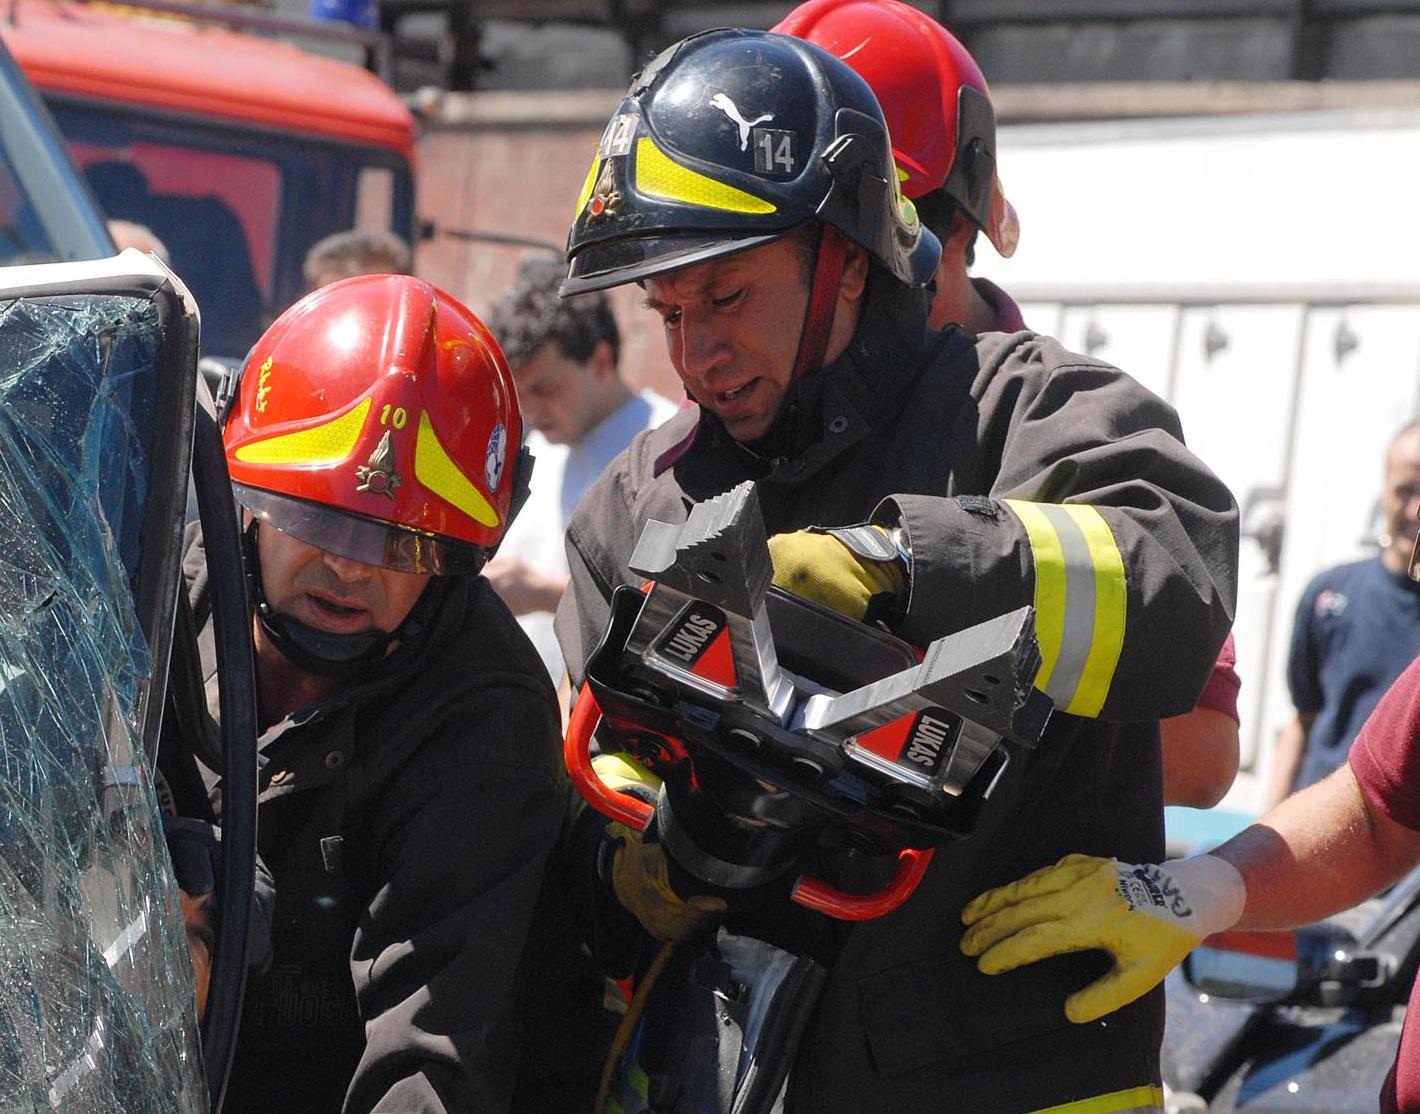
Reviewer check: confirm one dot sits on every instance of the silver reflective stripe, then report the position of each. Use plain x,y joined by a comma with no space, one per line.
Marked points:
1078,627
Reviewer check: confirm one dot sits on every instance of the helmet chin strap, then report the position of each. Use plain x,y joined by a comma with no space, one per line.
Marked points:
320,652
823,301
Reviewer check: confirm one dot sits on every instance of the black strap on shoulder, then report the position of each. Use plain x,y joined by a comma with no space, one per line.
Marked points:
188,734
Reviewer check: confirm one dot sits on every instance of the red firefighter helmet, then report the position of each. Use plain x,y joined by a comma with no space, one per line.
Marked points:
377,420
937,104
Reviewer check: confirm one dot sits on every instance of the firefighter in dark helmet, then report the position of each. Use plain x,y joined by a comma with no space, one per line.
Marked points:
747,184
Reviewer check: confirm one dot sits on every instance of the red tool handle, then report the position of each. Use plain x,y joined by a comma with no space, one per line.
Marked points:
577,754
823,898
635,813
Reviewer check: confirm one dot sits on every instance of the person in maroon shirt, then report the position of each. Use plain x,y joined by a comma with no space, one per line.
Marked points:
1322,850
1385,763
939,114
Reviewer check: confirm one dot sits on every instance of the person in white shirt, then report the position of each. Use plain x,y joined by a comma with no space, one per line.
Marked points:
564,354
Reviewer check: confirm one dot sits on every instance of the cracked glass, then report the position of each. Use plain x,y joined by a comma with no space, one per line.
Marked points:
97,1008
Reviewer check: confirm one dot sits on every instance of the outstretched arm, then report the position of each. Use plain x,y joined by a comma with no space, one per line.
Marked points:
1320,851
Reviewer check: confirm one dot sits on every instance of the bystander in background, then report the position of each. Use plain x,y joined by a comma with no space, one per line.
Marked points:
131,234
354,252
564,354
1357,628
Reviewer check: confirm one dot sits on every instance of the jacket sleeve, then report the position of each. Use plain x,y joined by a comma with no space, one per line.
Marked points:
600,537
1089,508
463,836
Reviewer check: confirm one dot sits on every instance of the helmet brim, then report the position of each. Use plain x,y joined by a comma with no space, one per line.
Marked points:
366,540
600,266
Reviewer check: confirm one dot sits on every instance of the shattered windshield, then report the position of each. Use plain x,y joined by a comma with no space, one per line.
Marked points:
96,987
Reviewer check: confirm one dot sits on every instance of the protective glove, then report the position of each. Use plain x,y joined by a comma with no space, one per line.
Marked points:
1147,917
640,875
196,851
845,569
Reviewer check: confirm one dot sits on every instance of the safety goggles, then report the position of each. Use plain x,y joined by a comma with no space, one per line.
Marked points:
366,540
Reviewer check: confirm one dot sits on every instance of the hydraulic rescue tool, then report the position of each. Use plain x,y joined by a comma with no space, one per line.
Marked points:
781,730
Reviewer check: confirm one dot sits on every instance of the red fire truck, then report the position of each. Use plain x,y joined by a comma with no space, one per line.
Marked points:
238,151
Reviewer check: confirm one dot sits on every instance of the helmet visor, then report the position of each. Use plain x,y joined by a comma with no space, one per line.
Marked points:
366,540
600,266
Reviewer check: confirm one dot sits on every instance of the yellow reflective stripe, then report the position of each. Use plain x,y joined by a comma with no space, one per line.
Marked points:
1136,1100
435,469
1111,602
1049,586
639,1080
621,772
587,185
325,444
657,175
1080,600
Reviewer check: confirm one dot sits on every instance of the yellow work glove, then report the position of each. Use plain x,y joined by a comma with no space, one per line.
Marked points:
640,876
1147,917
828,570
641,879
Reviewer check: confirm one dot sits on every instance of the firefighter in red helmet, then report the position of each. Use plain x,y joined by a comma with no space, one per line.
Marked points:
374,447
943,126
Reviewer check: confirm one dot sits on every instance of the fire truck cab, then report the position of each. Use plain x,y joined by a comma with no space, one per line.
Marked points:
238,152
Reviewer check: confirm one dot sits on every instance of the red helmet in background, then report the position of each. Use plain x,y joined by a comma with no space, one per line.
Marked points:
937,104
377,420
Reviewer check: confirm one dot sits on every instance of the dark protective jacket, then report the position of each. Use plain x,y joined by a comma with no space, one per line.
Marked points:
1024,474
407,823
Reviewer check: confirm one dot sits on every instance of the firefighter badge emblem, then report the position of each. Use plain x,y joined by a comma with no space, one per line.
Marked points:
377,474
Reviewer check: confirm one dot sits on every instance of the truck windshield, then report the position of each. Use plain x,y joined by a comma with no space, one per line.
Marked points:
236,208
44,215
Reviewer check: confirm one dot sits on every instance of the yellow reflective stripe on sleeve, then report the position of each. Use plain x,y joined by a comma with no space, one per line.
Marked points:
1111,602
1136,1100
325,444
435,469
1049,586
1080,601
657,175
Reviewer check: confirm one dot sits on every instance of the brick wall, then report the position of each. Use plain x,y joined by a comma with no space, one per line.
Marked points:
521,183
